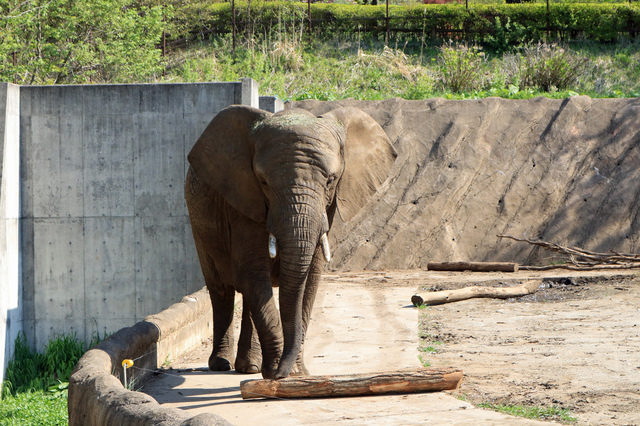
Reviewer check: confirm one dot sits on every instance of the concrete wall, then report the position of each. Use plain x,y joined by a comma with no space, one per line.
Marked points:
10,283
104,233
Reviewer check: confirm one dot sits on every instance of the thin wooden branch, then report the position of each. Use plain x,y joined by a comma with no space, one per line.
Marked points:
448,296
473,266
581,259
402,381
580,268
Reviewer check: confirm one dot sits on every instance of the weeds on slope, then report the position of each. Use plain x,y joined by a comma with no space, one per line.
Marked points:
294,69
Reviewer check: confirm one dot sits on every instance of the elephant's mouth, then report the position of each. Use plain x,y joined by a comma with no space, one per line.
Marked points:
324,242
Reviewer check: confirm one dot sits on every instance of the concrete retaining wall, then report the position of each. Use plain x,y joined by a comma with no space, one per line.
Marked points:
104,237
98,397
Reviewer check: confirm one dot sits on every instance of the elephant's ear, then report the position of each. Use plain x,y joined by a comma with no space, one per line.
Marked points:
223,158
368,157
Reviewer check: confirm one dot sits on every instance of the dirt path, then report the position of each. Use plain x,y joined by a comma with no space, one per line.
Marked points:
361,323
572,345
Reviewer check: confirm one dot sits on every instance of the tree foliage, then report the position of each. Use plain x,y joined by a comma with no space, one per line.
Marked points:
78,41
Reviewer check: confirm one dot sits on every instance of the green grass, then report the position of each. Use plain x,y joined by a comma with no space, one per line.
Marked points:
35,388
363,68
531,412
34,408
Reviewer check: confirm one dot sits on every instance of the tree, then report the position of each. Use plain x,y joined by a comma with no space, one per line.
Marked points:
79,41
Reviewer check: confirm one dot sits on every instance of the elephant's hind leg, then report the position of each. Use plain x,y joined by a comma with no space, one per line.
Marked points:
249,358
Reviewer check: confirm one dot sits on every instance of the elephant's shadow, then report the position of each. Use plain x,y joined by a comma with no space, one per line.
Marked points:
183,389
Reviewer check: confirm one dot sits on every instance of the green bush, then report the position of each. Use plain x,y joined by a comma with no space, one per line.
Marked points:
550,68
462,68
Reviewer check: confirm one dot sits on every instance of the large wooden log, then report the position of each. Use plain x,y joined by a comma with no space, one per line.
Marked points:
447,296
402,381
473,266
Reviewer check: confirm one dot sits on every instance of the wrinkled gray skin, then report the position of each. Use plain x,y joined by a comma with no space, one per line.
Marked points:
258,179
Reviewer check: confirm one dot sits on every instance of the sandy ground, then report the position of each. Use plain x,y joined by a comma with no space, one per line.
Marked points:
574,344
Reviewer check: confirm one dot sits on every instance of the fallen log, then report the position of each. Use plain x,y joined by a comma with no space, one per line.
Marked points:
448,296
402,381
473,266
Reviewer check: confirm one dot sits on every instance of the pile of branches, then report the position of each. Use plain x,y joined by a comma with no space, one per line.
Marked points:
581,259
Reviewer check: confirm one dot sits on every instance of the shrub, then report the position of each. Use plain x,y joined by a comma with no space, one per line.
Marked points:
462,68
549,68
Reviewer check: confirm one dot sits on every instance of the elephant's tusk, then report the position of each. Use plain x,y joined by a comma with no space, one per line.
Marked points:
326,251
273,250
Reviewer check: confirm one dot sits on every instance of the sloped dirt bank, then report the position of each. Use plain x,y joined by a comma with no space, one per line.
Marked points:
557,170
573,344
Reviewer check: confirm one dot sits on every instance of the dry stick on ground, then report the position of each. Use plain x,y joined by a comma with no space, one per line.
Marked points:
581,259
402,381
473,266
448,296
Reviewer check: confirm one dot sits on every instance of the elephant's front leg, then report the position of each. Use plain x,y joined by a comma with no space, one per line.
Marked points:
249,358
222,299
266,319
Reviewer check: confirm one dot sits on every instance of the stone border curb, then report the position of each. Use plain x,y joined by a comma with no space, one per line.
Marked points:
98,397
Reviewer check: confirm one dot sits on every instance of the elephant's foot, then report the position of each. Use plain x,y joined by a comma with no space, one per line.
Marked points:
219,363
300,370
269,370
248,366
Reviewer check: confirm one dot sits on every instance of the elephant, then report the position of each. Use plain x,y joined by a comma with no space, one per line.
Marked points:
262,190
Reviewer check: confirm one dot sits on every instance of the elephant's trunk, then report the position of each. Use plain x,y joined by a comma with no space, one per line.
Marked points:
298,236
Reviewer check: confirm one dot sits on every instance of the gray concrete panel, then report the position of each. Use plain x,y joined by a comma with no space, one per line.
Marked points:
160,268
28,279
109,278
207,98
271,104
58,276
159,168
111,99
161,99
51,100
56,166
109,164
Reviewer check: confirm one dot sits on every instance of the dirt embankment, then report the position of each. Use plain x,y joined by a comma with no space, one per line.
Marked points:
558,170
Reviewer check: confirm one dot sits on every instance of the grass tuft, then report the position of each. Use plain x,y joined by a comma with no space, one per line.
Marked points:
533,412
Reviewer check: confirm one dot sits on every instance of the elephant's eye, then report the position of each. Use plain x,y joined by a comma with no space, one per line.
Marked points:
331,179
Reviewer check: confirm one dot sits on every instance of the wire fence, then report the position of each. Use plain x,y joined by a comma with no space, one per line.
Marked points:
537,19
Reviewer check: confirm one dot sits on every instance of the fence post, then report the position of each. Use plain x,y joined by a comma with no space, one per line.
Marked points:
386,42
548,21
309,15
233,20
164,42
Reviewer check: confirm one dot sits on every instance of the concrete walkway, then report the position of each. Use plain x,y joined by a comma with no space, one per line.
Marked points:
355,328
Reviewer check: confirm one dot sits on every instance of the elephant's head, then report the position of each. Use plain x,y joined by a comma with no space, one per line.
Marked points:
292,171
